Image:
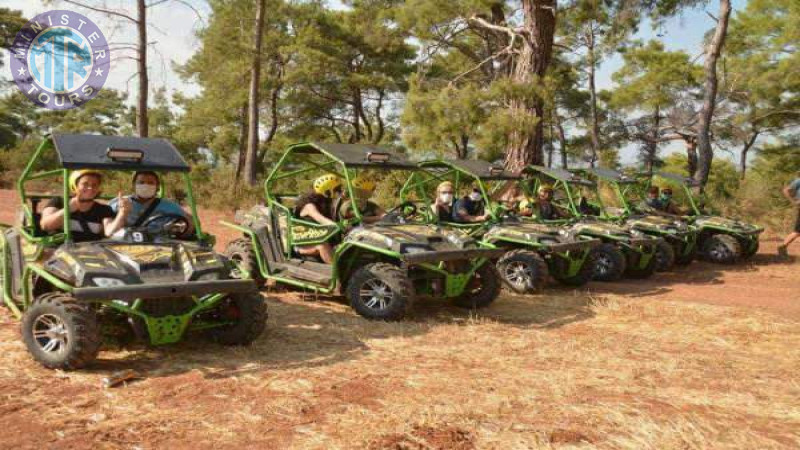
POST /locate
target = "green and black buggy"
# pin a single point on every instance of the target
(624, 251)
(532, 250)
(624, 206)
(157, 281)
(380, 267)
(719, 239)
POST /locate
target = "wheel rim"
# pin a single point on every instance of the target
(50, 334)
(603, 265)
(719, 251)
(375, 294)
(519, 274)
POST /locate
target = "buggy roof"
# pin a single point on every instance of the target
(610, 174)
(90, 151)
(560, 175)
(675, 177)
(356, 155)
(478, 168)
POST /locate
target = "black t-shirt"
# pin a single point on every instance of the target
(85, 225)
(548, 211)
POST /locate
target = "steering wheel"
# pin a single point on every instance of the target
(401, 213)
(175, 226)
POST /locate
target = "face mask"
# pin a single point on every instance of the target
(475, 196)
(146, 191)
(446, 198)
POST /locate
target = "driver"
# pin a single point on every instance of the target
(89, 220)
(470, 208)
(144, 203)
(667, 205)
(545, 208)
(370, 211)
(652, 202)
(443, 204)
(317, 206)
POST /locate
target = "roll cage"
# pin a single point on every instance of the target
(102, 153)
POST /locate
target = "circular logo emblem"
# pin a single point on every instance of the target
(60, 59)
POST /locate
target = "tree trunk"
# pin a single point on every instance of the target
(713, 51)
(562, 141)
(651, 146)
(691, 156)
(242, 142)
(595, 128)
(142, 122)
(743, 156)
(525, 145)
(253, 102)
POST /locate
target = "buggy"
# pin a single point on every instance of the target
(158, 281)
(380, 267)
(720, 239)
(624, 251)
(532, 249)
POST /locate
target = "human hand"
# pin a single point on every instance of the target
(124, 205)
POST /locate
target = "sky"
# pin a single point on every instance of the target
(173, 27)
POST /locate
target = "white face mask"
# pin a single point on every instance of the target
(446, 198)
(474, 196)
(145, 191)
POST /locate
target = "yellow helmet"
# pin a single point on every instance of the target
(364, 184)
(76, 175)
(326, 184)
(525, 204)
(544, 188)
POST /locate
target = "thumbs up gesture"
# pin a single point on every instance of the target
(124, 205)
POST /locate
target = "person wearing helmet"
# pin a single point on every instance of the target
(363, 188)
(652, 202)
(144, 202)
(545, 209)
(89, 220)
(470, 208)
(317, 206)
(667, 205)
(443, 203)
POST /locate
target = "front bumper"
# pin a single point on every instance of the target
(164, 290)
(451, 255)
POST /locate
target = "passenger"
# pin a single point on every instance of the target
(545, 209)
(89, 220)
(667, 205)
(370, 211)
(317, 206)
(144, 203)
(652, 202)
(512, 197)
(443, 204)
(470, 208)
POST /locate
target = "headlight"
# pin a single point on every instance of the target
(415, 249)
(562, 232)
(210, 276)
(107, 282)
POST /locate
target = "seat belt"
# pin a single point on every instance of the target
(143, 216)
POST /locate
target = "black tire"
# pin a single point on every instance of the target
(522, 271)
(665, 257)
(684, 260)
(241, 252)
(248, 310)
(747, 254)
(392, 292)
(68, 327)
(722, 249)
(608, 262)
(584, 275)
(482, 290)
(645, 272)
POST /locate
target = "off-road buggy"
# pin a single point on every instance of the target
(380, 267)
(532, 249)
(624, 206)
(158, 281)
(624, 251)
(719, 239)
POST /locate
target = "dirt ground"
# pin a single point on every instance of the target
(704, 357)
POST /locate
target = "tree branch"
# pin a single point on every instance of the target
(102, 10)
